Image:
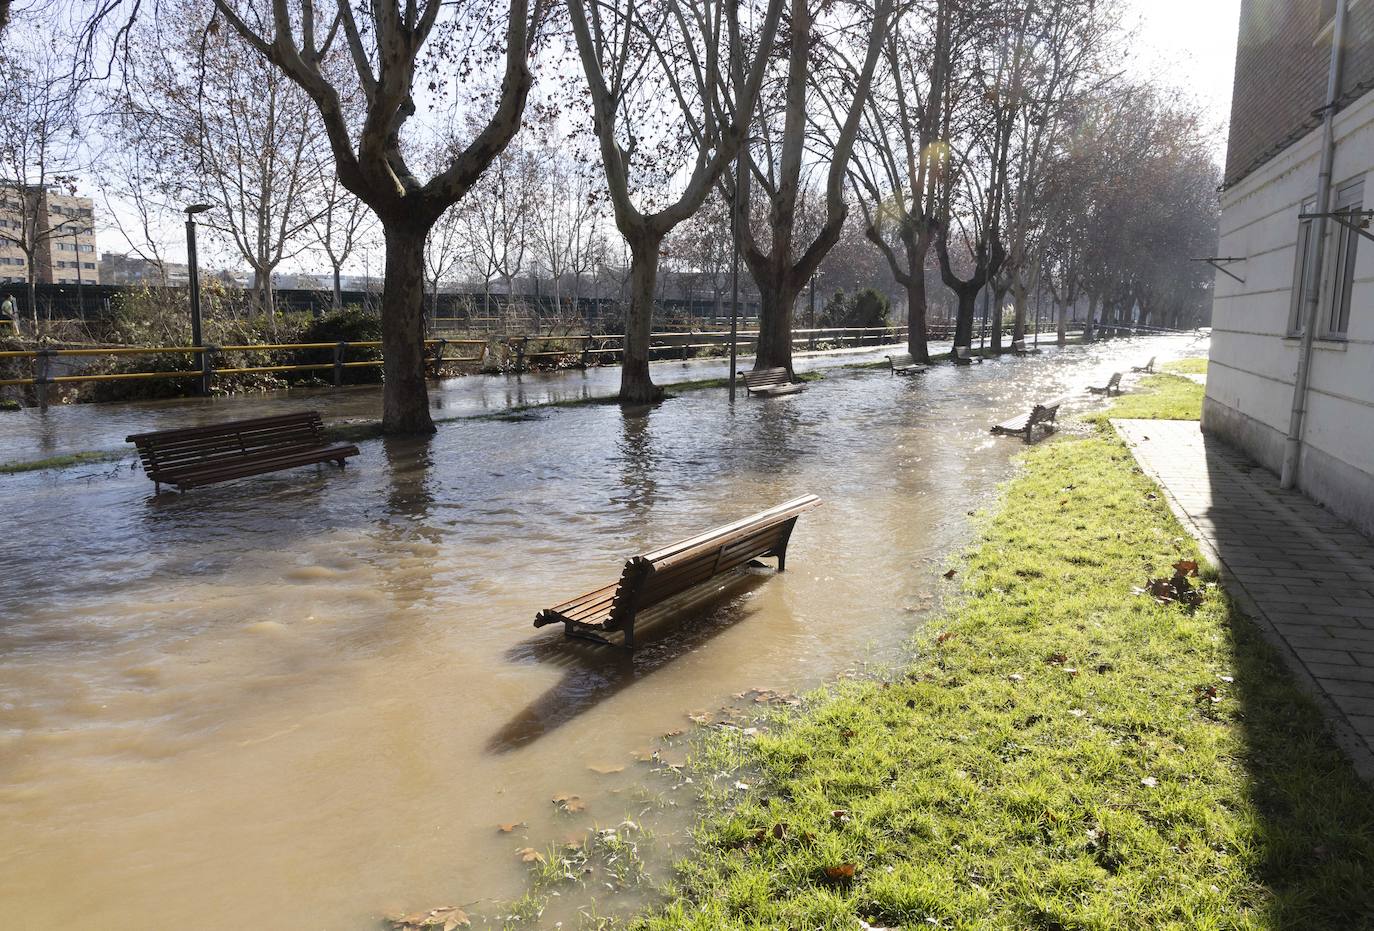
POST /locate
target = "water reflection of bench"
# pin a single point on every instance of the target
(1113, 386)
(769, 383)
(655, 577)
(236, 449)
(1044, 413)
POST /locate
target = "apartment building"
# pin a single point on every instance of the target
(1291, 379)
(63, 227)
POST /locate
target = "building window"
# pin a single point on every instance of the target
(1349, 198)
(1305, 280)
(90, 265)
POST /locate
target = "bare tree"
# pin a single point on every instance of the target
(688, 59)
(498, 220)
(40, 131)
(564, 224)
(386, 43)
(338, 222)
(444, 252)
(782, 263)
(226, 128)
(126, 175)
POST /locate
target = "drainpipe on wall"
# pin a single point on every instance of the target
(1312, 297)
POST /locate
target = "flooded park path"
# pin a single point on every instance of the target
(307, 699)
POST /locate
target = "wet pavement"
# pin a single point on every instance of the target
(308, 699)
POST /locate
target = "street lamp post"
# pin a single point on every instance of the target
(734, 267)
(193, 275)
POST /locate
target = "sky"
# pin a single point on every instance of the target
(1189, 45)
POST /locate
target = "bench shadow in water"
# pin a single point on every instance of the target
(595, 673)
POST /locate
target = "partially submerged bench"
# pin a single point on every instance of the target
(904, 364)
(964, 356)
(651, 579)
(1113, 386)
(236, 448)
(1042, 414)
(769, 383)
(1147, 368)
(1018, 347)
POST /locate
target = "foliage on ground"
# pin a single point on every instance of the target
(1158, 397)
(67, 460)
(1186, 366)
(1063, 753)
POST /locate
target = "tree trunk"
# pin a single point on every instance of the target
(338, 287)
(405, 397)
(916, 318)
(963, 320)
(636, 387)
(1061, 322)
(995, 337)
(33, 300)
(775, 326)
(1018, 320)
(1088, 324)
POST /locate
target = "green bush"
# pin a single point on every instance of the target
(351, 325)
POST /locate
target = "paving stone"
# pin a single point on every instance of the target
(1310, 574)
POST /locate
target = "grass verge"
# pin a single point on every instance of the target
(61, 462)
(1159, 397)
(1186, 366)
(1062, 753)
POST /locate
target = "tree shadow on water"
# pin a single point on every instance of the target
(595, 673)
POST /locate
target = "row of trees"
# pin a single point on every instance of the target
(989, 140)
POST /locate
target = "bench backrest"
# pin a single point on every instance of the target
(765, 378)
(1018, 345)
(962, 352)
(1043, 411)
(901, 360)
(166, 451)
(655, 577)
(1114, 381)
(1150, 366)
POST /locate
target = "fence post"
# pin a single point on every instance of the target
(586, 350)
(42, 376)
(339, 349)
(207, 366)
(519, 355)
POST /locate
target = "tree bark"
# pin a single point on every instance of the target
(405, 396)
(1061, 322)
(916, 308)
(636, 386)
(995, 337)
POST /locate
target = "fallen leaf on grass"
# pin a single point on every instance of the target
(840, 873)
(841, 815)
(529, 855)
(946, 635)
(569, 803)
(1057, 659)
(950, 574)
(447, 918)
(780, 831)
(1186, 567)
(1149, 782)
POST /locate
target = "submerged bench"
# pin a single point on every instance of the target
(964, 356)
(1113, 386)
(1043, 413)
(770, 383)
(649, 580)
(1018, 347)
(1147, 368)
(904, 364)
(236, 449)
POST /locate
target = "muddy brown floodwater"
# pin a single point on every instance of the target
(306, 700)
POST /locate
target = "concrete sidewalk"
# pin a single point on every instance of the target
(1305, 576)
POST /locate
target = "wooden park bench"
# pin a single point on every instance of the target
(1113, 386)
(964, 356)
(235, 449)
(1147, 368)
(904, 364)
(651, 579)
(769, 383)
(1043, 414)
(1018, 347)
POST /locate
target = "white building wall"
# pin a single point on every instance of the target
(1254, 361)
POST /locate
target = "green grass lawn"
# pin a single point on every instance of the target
(1159, 397)
(1061, 753)
(1186, 366)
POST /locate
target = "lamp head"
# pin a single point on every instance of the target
(193, 209)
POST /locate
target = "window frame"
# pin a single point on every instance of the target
(1304, 247)
(1345, 257)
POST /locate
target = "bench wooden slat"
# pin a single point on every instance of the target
(903, 364)
(651, 579)
(192, 456)
(769, 382)
(1043, 414)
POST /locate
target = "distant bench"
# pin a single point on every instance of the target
(964, 356)
(651, 579)
(770, 383)
(904, 364)
(1113, 386)
(1024, 426)
(1147, 368)
(236, 449)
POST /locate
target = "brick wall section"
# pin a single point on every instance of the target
(1282, 59)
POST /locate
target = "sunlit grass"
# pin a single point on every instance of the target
(1186, 366)
(1158, 397)
(1053, 757)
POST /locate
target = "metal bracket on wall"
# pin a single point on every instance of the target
(1219, 262)
(1357, 220)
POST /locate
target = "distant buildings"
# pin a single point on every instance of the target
(1283, 248)
(62, 226)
